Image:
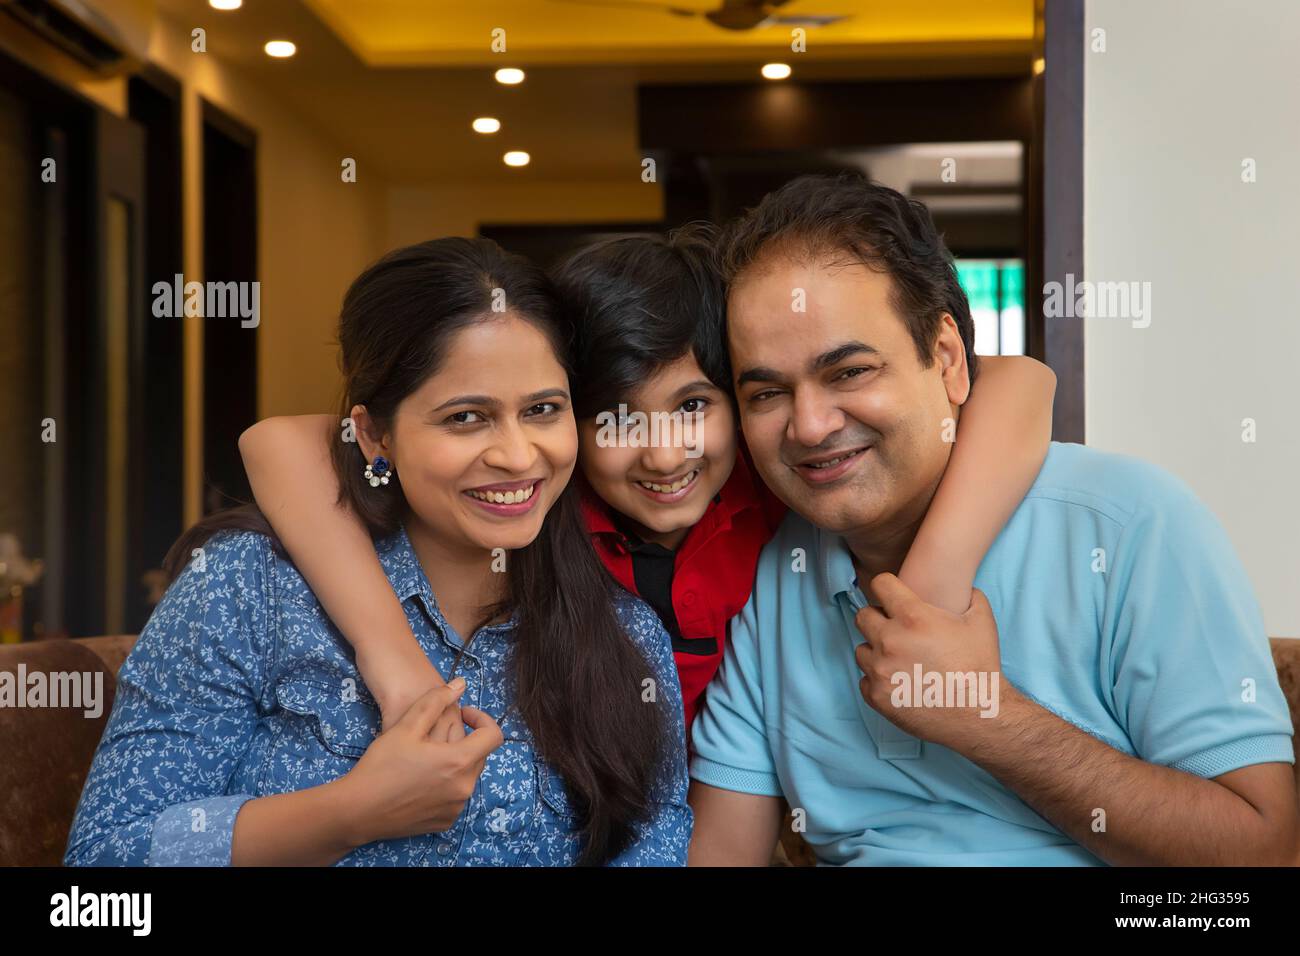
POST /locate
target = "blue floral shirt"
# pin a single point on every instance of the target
(241, 687)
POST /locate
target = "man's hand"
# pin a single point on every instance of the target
(930, 672)
(1155, 815)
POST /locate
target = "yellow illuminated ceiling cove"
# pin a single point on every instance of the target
(459, 32)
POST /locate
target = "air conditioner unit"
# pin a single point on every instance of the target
(108, 36)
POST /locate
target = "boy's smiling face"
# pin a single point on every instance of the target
(665, 490)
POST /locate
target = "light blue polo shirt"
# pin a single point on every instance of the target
(1121, 607)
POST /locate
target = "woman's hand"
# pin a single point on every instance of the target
(413, 779)
(398, 673)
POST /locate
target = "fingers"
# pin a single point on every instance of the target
(448, 720)
(424, 713)
(894, 596)
(485, 735)
(476, 718)
(871, 621)
(457, 729)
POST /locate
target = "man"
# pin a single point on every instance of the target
(1109, 696)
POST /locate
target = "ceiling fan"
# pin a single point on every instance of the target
(731, 15)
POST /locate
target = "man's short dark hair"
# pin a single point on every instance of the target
(851, 218)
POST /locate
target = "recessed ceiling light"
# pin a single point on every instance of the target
(516, 157)
(509, 75)
(280, 48)
(776, 71)
(225, 4)
(1039, 65)
(486, 124)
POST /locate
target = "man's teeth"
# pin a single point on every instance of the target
(669, 489)
(505, 497)
(833, 461)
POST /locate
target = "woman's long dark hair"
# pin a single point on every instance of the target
(577, 675)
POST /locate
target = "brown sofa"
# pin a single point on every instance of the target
(45, 753)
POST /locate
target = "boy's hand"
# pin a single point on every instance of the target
(398, 674)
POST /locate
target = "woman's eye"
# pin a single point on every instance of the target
(464, 418)
(542, 409)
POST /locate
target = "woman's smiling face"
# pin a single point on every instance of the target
(666, 488)
(484, 447)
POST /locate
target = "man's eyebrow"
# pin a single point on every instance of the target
(759, 374)
(823, 361)
(840, 353)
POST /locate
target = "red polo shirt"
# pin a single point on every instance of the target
(712, 570)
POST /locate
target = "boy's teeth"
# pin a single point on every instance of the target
(505, 497)
(669, 489)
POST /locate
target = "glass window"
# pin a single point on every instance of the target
(996, 290)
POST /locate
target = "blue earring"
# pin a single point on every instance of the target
(378, 471)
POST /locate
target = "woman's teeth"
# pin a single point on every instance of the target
(505, 497)
(670, 489)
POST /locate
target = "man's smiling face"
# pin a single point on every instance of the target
(841, 380)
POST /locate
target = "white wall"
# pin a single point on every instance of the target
(1184, 92)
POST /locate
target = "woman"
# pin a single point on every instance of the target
(681, 530)
(243, 731)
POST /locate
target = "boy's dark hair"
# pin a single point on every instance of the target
(637, 302)
(850, 217)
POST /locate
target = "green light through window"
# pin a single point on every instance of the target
(996, 290)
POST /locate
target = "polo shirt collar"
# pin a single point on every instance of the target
(836, 574)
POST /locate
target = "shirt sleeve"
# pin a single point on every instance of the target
(664, 838)
(183, 718)
(1193, 674)
(730, 734)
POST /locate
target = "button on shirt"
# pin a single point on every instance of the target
(1121, 608)
(240, 687)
